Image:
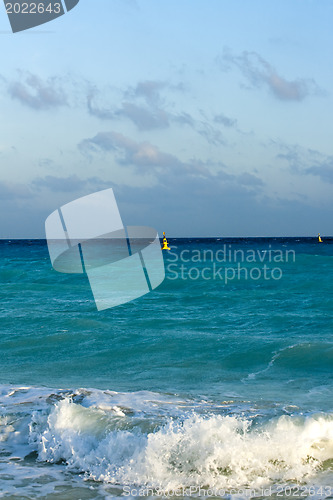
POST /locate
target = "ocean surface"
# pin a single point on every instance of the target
(218, 383)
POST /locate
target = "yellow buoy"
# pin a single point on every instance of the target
(165, 243)
(319, 238)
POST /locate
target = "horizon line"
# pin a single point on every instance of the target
(183, 237)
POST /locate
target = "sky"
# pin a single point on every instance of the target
(206, 117)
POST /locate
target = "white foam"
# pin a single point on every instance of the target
(158, 440)
(214, 450)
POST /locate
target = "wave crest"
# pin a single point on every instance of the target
(212, 450)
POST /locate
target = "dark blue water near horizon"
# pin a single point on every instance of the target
(234, 350)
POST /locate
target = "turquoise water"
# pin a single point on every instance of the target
(221, 377)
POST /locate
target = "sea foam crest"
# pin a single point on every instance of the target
(213, 450)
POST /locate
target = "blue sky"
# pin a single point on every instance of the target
(207, 117)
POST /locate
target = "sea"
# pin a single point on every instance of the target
(216, 384)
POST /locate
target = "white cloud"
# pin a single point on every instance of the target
(258, 72)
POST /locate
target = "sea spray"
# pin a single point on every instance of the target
(213, 450)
